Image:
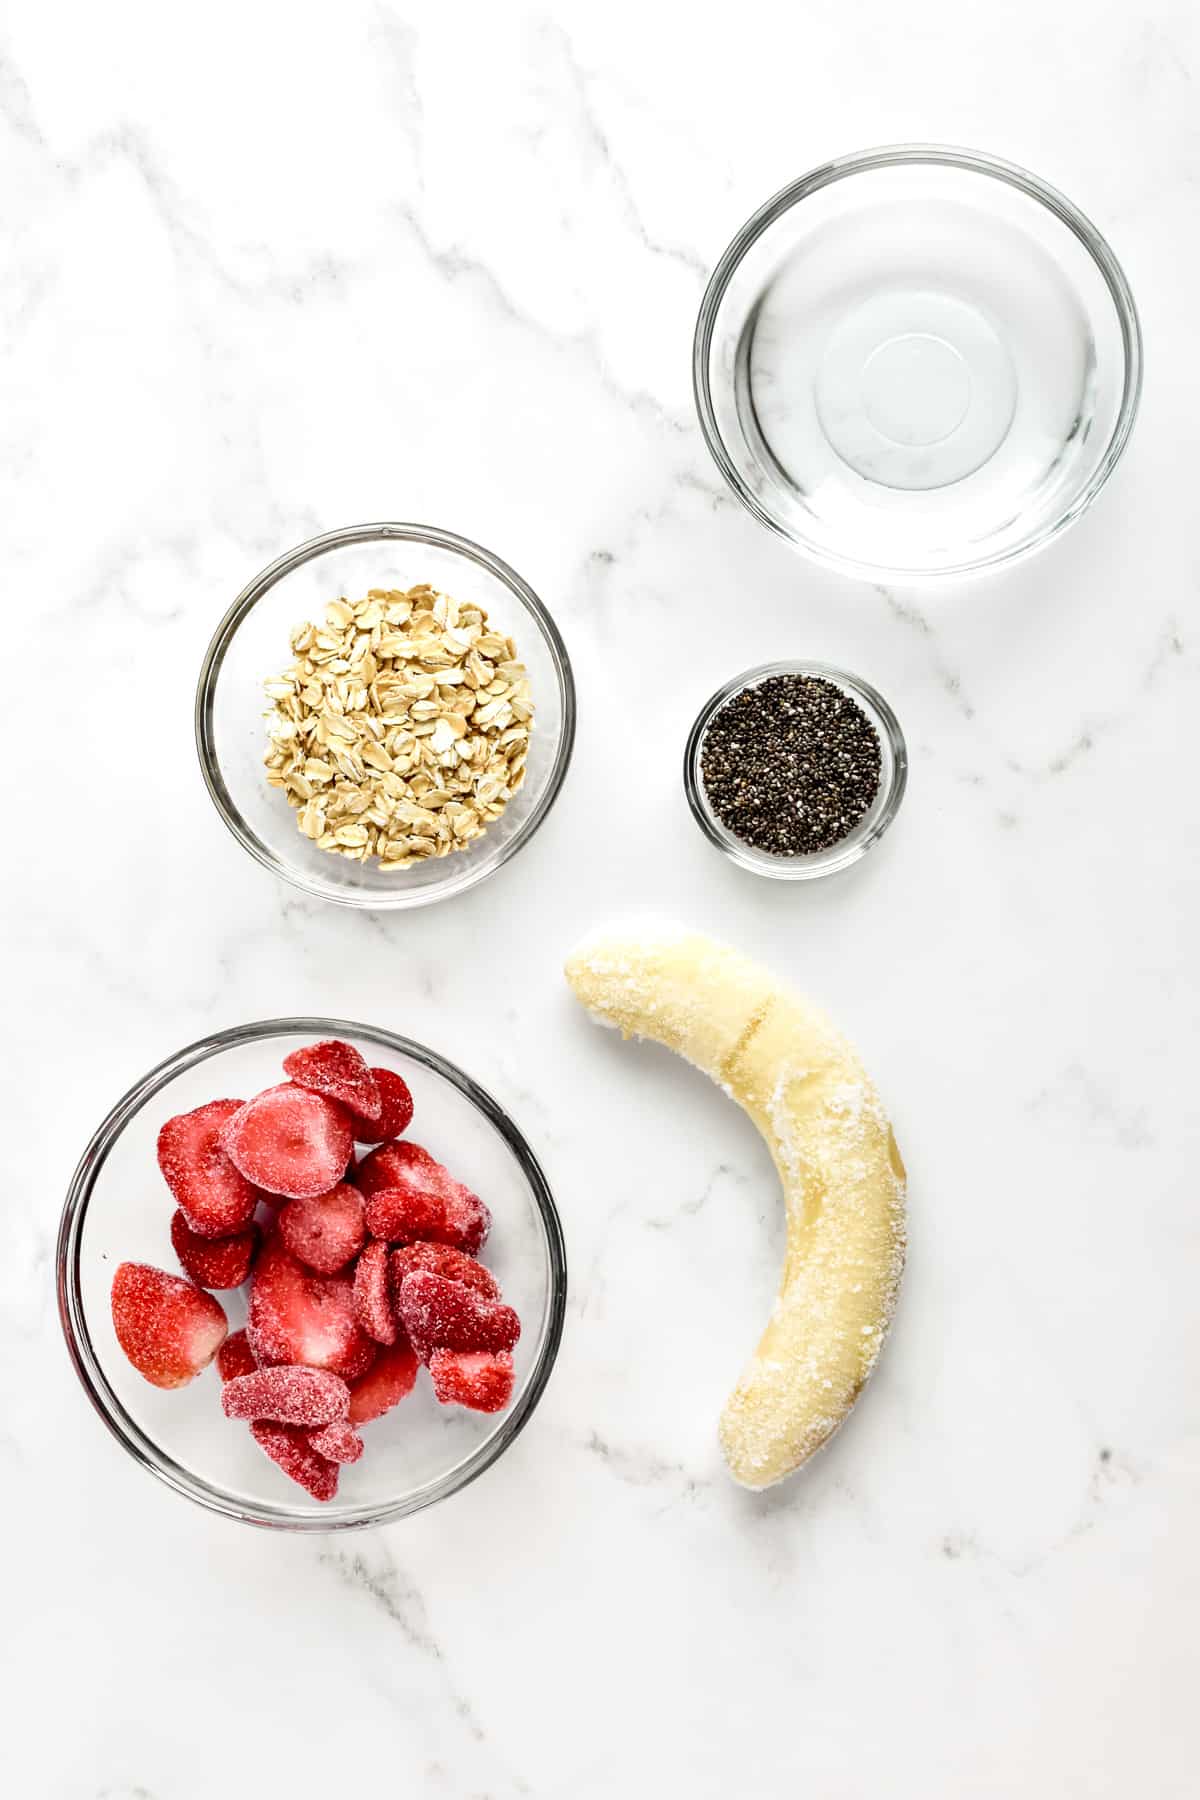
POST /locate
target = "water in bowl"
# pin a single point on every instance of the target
(917, 376)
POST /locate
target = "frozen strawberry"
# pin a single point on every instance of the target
(399, 1216)
(372, 1301)
(288, 1446)
(214, 1262)
(396, 1111)
(167, 1327)
(410, 1196)
(235, 1357)
(340, 1073)
(338, 1441)
(441, 1259)
(215, 1197)
(288, 1394)
(295, 1316)
(290, 1141)
(400, 1166)
(467, 1221)
(385, 1384)
(480, 1379)
(444, 1315)
(326, 1231)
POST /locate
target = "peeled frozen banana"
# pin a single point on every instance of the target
(843, 1180)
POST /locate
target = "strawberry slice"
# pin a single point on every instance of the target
(326, 1231)
(338, 1441)
(441, 1259)
(168, 1327)
(410, 1195)
(290, 1141)
(480, 1379)
(385, 1384)
(396, 1110)
(444, 1315)
(216, 1198)
(287, 1394)
(372, 1305)
(467, 1221)
(401, 1166)
(340, 1073)
(288, 1446)
(295, 1316)
(235, 1357)
(214, 1262)
(398, 1216)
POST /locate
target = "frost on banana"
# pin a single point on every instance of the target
(843, 1180)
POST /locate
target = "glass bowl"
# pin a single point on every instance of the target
(917, 361)
(118, 1208)
(252, 644)
(893, 778)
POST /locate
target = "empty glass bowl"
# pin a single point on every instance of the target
(119, 1209)
(252, 643)
(893, 778)
(917, 361)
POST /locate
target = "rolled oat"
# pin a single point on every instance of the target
(401, 729)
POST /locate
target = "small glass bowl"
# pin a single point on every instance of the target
(893, 778)
(118, 1209)
(252, 643)
(917, 361)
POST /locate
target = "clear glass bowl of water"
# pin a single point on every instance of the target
(917, 361)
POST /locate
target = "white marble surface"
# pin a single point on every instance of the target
(270, 270)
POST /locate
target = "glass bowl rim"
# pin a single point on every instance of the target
(895, 156)
(826, 862)
(73, 1319)
(222, 638)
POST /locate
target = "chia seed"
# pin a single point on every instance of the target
(791, 765)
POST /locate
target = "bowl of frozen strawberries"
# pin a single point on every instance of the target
(311, 1275)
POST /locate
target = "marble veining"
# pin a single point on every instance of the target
(266, 274)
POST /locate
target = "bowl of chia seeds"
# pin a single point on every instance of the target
(795, 769)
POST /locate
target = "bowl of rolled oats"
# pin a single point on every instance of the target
(385, 715)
